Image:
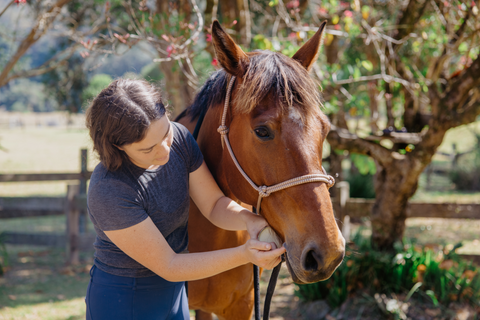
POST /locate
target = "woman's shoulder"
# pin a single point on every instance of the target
(180, 131)
(103, 178)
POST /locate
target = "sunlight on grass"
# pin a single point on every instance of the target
(42, 150)
(60, 310)
(449, 197)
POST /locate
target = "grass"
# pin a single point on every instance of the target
(39, 150)
(37, 285)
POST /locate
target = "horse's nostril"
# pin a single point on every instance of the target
(311, 261)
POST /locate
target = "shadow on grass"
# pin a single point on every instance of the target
(37, 275)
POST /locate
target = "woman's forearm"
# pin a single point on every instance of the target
(194, 266)
(229, 215)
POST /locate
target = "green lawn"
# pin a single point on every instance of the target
(40, 150)
(38, 286)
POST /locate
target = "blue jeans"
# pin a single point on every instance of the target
(111, 297)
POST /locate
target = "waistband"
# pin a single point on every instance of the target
(101, 277)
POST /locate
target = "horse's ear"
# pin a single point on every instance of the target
(308, 53)
(230, 55)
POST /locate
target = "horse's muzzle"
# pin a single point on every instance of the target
(313, 265)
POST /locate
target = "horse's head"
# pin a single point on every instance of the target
(277, 130)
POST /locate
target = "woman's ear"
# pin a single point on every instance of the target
(119, 148)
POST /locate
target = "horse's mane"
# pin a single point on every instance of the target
(288, 80)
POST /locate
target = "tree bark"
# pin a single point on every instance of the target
(178, 92)
(394, 185)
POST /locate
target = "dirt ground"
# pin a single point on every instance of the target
(287, 306)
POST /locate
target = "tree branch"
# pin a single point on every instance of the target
(458, 88)
(8, 5)
(41, 26)
(48, 66)
(340, 138)
(410, 17)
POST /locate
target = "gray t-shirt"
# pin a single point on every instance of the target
(123, 198)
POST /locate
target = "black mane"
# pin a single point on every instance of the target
(212, 92)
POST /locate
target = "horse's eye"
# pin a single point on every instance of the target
(262, 133)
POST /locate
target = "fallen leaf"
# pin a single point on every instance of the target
(433, 312)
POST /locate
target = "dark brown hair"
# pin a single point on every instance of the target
(121, 115)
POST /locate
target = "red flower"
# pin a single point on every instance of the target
(214, 62)
(293, 4)
(348, 13)
(20, 1)
(170, 50)
(322, 10)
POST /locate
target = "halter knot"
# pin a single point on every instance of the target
(331, 182)
(223, 130)
(263, 191)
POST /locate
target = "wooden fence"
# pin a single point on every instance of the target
(346, 208)
(444, 170)
(73, 205)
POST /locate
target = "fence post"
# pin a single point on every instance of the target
(83, 189)
(344, 196)
(454, 156)
(429, 171)
(72, 214)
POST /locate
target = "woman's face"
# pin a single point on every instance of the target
(154, 149)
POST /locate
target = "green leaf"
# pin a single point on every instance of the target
(356, 73)
(413, 290)
(463, 47)
(367, 65)
(431, 294)
(364, 163)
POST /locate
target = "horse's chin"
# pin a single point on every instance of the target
(300, 277)
(292, 273)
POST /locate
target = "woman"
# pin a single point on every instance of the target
(138, 201)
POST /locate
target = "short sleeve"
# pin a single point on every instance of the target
(113, 205)
(194, 155)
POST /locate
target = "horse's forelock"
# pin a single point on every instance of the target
(268, 72)
(285, 78)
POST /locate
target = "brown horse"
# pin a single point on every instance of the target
(277, 132)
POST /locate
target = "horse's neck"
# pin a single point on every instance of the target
(210, 144)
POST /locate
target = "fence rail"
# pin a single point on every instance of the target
(73, 206)
(360, 208)
(28, 177)
(75, 203)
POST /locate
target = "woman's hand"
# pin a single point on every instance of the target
(255, 223)
(263, 254)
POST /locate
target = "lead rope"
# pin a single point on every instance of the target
(263, 192)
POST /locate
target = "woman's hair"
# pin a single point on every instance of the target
(121, 115)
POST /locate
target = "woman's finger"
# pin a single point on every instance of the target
(260, 245)
(272, 254)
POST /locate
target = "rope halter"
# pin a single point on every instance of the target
(265, 191)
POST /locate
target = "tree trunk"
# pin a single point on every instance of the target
(178, 93)
(389, 211)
